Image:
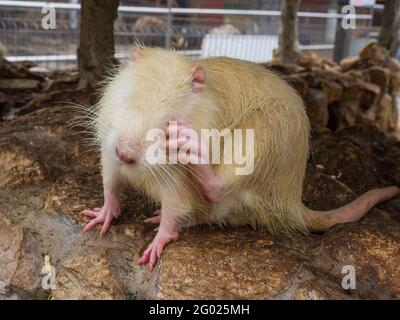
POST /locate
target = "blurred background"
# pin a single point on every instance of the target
(201, 28)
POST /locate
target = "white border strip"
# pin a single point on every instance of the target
(69, 57)
(317, 47)
(73, 57)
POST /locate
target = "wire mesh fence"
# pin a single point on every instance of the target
(235, 28)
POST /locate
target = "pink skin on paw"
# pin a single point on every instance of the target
(209, 182)
(167, 232)
(155, 219)
(104, 215)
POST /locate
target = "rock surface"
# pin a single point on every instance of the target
(48, 176)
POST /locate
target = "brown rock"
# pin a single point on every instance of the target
(17, 165)
(350, 63)
(19, 84)
(394, 65)
(308, 59)
(346, 113)
(375, 257)
(317, 108)
(332, 90)
(283, 68)
(351, 88)
(70, 196)
(315, 289)
(86, 277)
(326, 75)
(393, 116)
(20, 70)
(72, 99)
(395, 83)
(383, 112)
(298, 83)
(20, 260)
(369, 95)
(255, 269)
(375, 54)
(379, 76)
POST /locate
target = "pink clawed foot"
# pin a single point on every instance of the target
(167, 232)
(103, 215)
(155, 219)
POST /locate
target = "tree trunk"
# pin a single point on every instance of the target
(96, 48)
(389, 34)
(2, 51)
(288, 31)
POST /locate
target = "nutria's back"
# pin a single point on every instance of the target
(240, 86)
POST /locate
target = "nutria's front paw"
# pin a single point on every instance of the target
(192, 152)
(102, 216)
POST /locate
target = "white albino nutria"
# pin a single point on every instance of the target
(166, 90)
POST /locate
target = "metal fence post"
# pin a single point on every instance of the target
(343, 37)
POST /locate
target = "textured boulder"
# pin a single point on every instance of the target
(48, 176)
(317, 107)
(20, 261)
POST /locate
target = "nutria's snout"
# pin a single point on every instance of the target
(125, 157)
(127, 150)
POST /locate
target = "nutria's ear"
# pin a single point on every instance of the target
(198, 78)
(137, 54)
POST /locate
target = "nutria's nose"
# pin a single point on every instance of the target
(128, 159)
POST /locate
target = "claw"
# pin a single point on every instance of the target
(104, 215)
(89, 213)
(167, 232)
(155, 219)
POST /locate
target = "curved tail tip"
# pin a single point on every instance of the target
(395, 191)
(321, 221)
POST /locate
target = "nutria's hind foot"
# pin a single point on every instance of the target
(155, 219)
(167, 232)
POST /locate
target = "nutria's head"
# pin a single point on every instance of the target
(155, 87)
